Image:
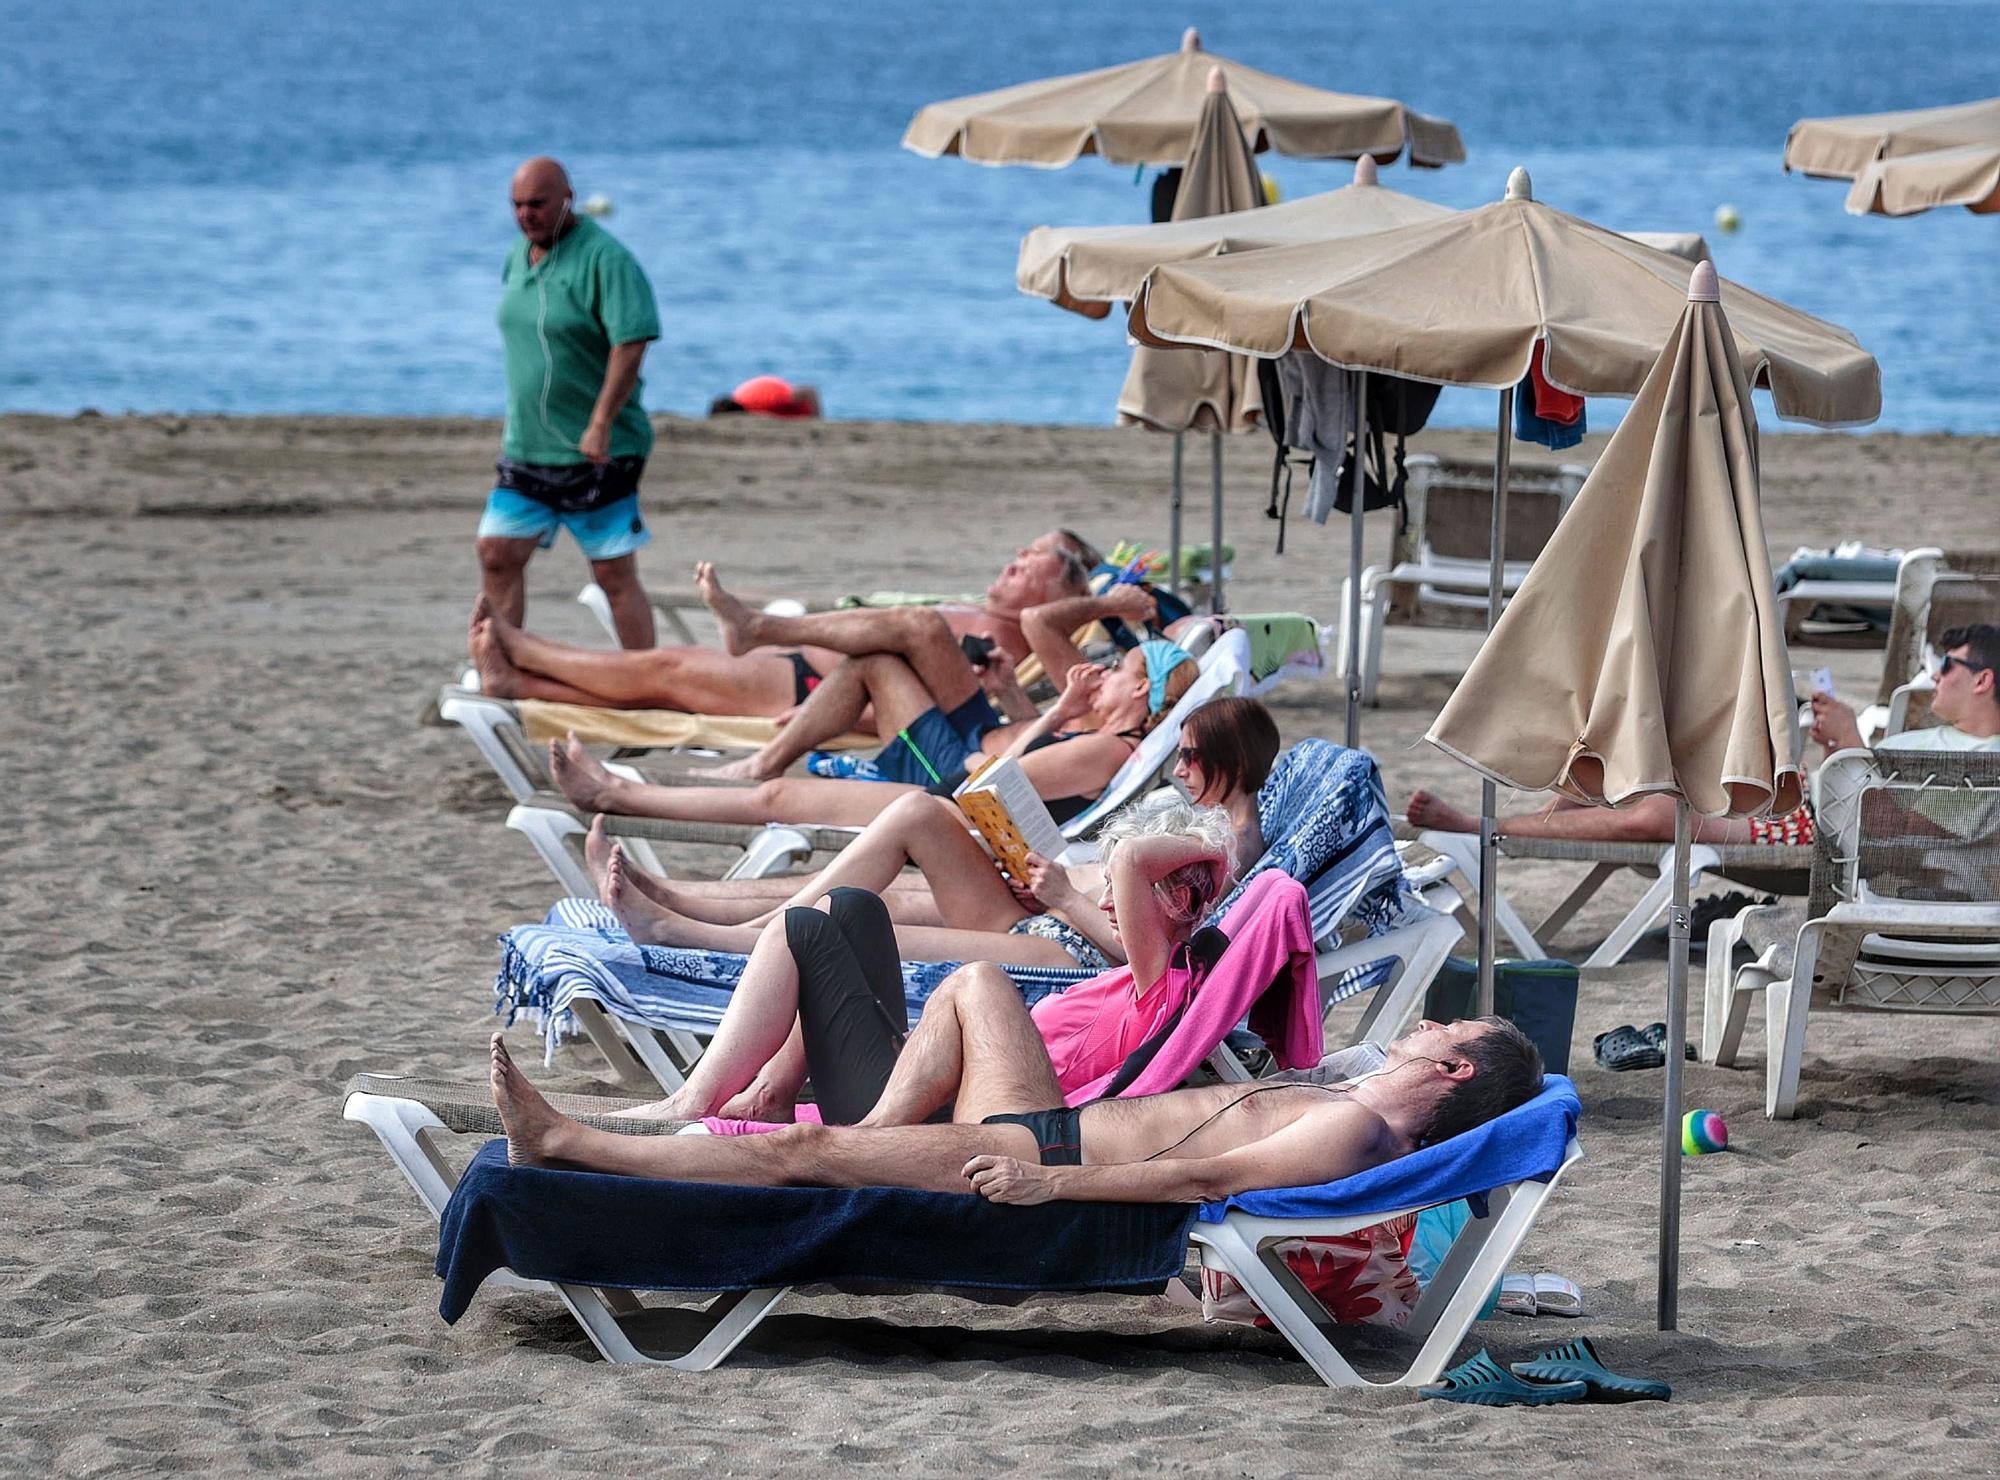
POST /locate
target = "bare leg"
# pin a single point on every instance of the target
(697, 679)
(503, 584)
(882, 681)
(976, 1049)
(928, 1157)
(763, 1012)
(1649, 820)
(803, 799)
(500, 678)
(631, 612)
(917, 634)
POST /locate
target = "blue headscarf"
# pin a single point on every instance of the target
(1162, 657)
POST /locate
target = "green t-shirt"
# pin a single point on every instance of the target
(585, 296)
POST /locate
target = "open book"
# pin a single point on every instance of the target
(1001, 802)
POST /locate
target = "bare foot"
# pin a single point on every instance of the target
(482, 609)
(1439, 815)
(762, 1102)
(645, 920)
(750, 768)
(737, 619)
(597, 851)
(534, 1127)
(497, 676)
(581, 777)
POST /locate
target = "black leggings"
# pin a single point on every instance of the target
(852, 1011)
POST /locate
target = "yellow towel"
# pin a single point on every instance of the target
(661, 728)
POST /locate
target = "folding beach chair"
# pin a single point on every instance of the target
(1437, 575)
(594, 1239)
(555, 829)
(1904, 912)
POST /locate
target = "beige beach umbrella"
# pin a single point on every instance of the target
(1203, 390)
(1142, 113)
(1464, 301)
(1644, 652)
(1906, 162)
(1968, 176)
(1086, 269)
(1175, 391)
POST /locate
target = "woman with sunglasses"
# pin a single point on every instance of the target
(961, 908)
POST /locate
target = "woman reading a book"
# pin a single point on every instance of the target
(822, 994)
(963, 907)
(1068, 754)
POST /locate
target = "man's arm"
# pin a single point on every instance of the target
(621, 373)
(1048, 627)
(1328, 1143)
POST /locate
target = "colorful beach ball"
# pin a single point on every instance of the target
(1702, 1131)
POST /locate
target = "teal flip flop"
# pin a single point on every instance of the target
(1576, 1361)
(1483, 1380)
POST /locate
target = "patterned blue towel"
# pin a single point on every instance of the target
(1323, 813)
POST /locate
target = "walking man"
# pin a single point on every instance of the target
(576, 314)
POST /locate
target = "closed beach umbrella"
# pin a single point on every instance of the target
(1142, 113)
(1644, 652)
(1174, 391)
(1906, 162)
(1464, 301)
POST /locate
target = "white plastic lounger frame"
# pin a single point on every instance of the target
(1606, 860)
(556, 833)
(1910, 956)
(1239, 1246)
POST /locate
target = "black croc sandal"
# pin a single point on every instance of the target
(1626, 1047)
(1656, 1034)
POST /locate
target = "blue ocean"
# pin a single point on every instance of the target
(251, 207)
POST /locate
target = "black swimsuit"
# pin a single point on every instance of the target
(1064, 808)
(1058, 1133)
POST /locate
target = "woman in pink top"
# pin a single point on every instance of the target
(822, 994)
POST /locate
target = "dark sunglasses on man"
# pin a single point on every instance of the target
(1945, 664)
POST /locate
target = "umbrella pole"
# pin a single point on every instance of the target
(1489, 793)
(1354, 570)
(1215, 523)
(1670, 1110)
(1174, 525)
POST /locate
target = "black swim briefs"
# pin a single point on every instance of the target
(572, 489)
(805, 677)
(1058, 1134)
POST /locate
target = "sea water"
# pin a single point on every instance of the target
(249, 207)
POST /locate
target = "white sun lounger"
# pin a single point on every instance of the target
(1903, 918)
(1240, 1244)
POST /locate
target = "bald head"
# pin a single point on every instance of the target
(541, 194)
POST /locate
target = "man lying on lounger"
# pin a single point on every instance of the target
(764, 680)
(1965, 706)
(1190, 1145)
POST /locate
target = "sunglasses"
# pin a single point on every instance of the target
(1188, 755)
(1949, 660)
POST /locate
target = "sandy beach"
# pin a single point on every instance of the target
(238, 871)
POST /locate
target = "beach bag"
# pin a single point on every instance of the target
(1359, 1279)
(1538, 997)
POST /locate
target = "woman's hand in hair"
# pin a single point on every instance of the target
(1080, 686)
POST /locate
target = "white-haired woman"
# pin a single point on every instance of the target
(822, 994)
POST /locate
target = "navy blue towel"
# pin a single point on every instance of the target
(635, 1234)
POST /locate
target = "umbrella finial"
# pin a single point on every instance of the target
(1519, 186)
(1190, 39)
(1365, 171)
(1702, 285)
(1217, 83)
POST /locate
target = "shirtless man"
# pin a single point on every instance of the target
(750, 679)
(1190, 1145)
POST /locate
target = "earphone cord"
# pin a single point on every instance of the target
(1328, 1089)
